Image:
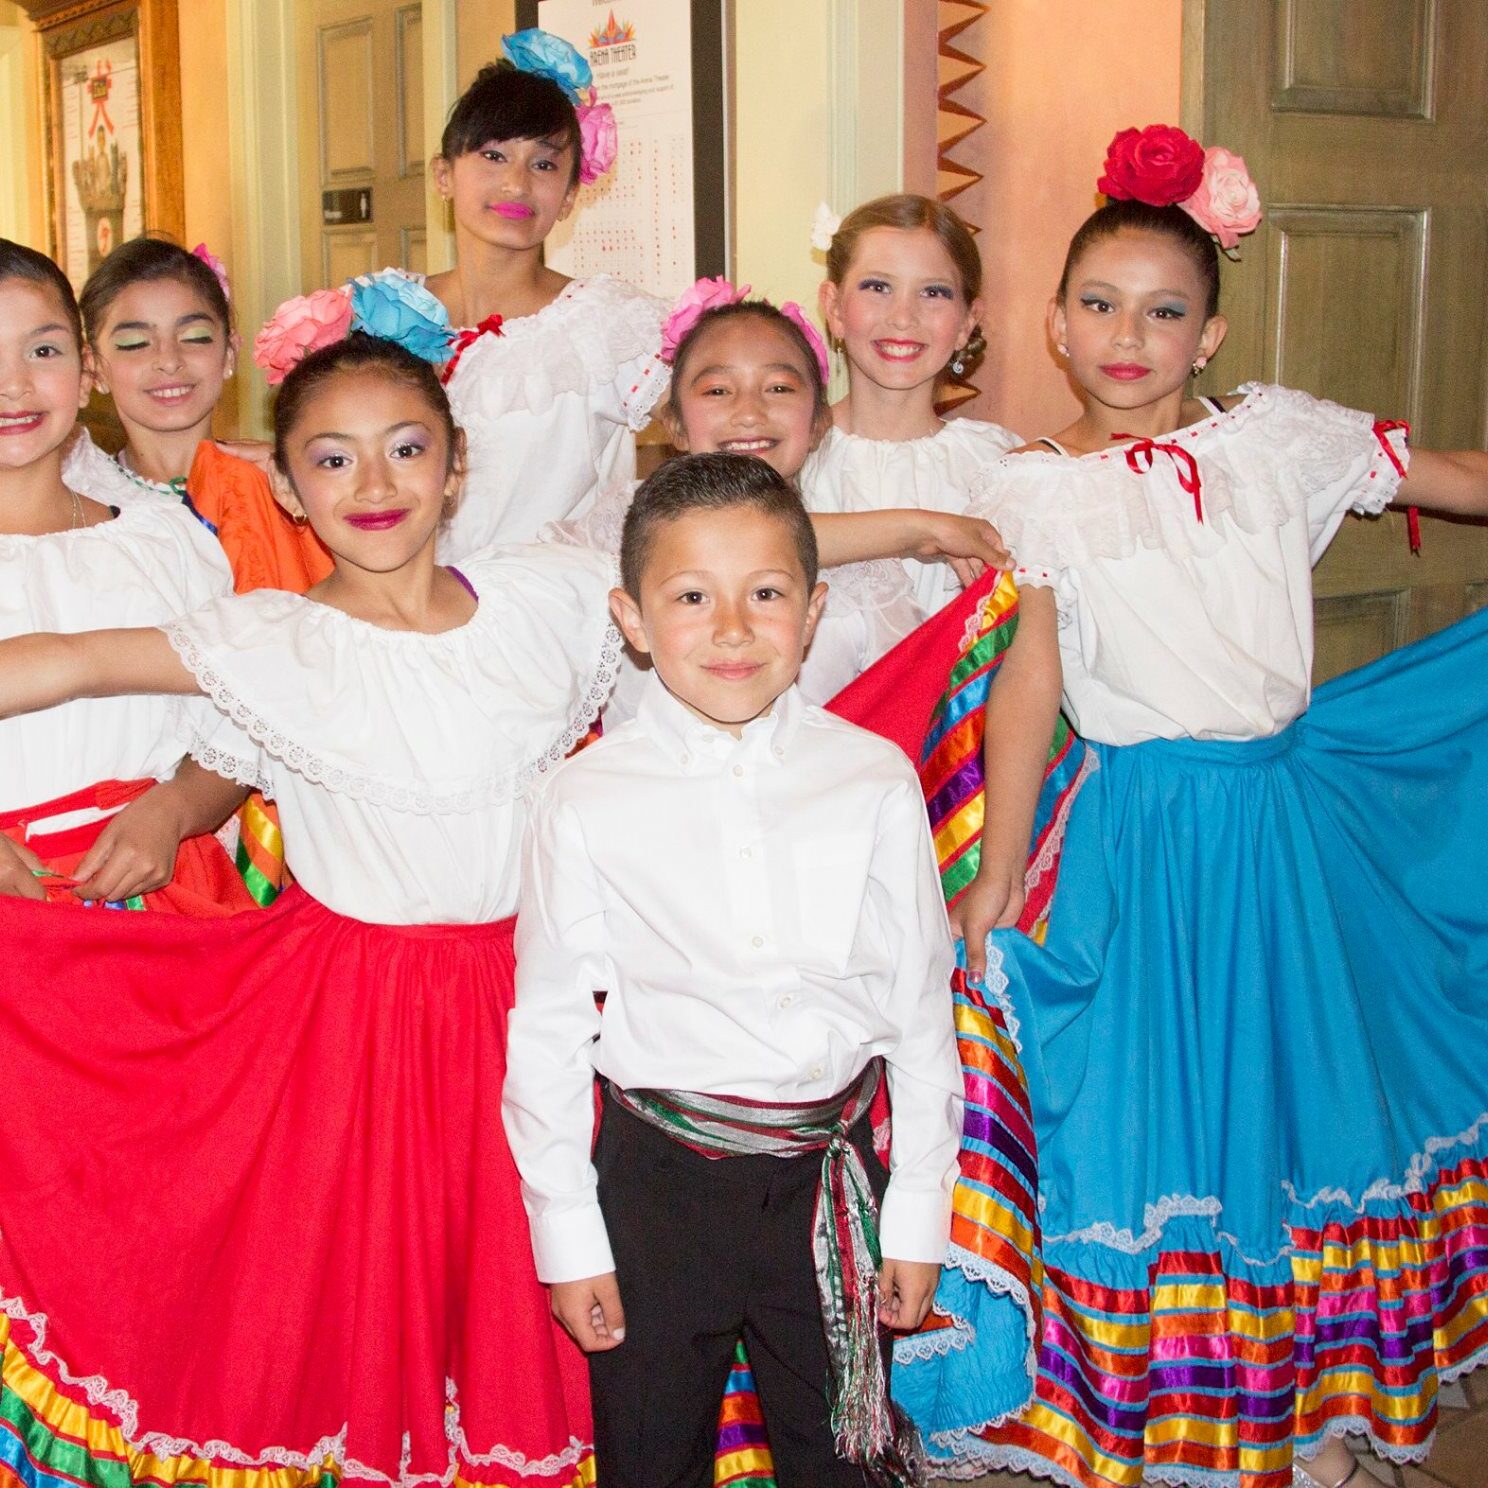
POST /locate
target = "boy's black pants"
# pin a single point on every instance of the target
(707, 1249)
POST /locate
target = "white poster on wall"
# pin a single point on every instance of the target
(636, 223)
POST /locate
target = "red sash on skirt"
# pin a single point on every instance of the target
(259, 1226)
(205, 883)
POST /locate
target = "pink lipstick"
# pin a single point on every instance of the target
(1126, 371)
(377, 521)
(514, 211)
(21, 423)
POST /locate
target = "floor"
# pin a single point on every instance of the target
(1458, 1460)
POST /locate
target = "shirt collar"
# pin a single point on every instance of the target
(689, 742)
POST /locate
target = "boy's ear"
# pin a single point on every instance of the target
(814, 607)
(627, 615)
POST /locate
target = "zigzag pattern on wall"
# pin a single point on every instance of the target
(955, 121)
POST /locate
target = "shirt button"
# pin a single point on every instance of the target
(738, 769)
(787, 999)
(746, 852)
(757, 941)
(817, 1072)
(779, 752)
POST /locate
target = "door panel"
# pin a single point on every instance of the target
(362, 105)
(1363, 126)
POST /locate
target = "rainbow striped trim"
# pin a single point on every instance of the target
(259, 858)
(742, 1458)
(55, 1435)
(1216, 1369)
(953, 774)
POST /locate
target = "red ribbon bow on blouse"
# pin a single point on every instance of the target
(491, 325)
(1383, 427)
(1142, 456)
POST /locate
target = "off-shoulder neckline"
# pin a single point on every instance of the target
(1252, 393)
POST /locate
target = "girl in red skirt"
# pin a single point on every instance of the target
(97, 803)
(258, 1223)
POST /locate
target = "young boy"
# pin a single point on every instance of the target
(751, 882)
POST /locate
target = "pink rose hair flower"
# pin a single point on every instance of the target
(1159, 165)
(599, 141)
(1226, 202)
(692, 304)
(298, 327)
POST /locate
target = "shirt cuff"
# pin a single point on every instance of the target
(915, 1224)
(571, 1245)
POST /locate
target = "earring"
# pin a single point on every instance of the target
(1062, 349)
(299, 518)
(1199, 364)
(958, 364)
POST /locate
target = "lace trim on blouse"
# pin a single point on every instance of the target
(1098, 509)
(421, 798)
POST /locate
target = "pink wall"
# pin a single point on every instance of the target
(1062, 76)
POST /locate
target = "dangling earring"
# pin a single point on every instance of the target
(1199, 364)
(958, 364)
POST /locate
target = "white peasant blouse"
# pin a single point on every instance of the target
(152, 562)
(550, 408)
(1170, 625)
(848, 473)
(400, 761)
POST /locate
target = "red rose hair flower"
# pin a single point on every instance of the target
(1159, 165)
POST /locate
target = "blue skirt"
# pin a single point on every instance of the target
(1256, 1046)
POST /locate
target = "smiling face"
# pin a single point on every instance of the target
(510, 193)
(1133, 318)
(724, 612)
(745, 388)
(42, 381)
(370, 465)
(163, 354)
(900, 311)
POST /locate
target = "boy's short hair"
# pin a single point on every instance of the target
(713, 483)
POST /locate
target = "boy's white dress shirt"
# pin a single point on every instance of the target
(765, 915)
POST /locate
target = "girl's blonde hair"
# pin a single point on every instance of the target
(905, 210)
(910, 212)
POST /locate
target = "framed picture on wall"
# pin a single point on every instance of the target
(112, 100)
(660, 219)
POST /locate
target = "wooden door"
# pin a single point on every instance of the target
(1363, 122)
(362, 128)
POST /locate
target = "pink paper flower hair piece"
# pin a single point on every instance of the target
(712, 294)
(692, 304)
(216, 265)
(298, 327)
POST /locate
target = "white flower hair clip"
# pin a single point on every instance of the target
(824, 227)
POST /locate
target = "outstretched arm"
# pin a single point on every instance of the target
(1022, 708)
(969, 544)
(40, 671)
(1453, 482)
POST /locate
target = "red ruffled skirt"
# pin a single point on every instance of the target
(259, 1226)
